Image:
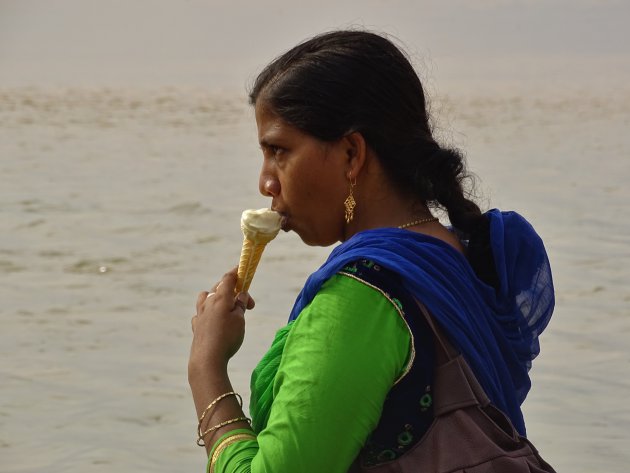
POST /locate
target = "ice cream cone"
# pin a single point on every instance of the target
(250, 257)
(259, 228)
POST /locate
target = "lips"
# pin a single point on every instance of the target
(284, 218)
(284, 223)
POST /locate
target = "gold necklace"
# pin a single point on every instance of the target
(418, 222)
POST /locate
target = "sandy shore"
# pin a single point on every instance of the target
(120, 205)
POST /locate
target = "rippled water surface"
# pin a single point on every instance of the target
(118, 205)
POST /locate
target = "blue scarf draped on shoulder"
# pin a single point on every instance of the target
(495, 329)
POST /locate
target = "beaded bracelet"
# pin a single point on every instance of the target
(200, 440)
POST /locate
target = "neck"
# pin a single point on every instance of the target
(383, 209)
(379, 204)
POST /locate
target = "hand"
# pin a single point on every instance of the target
(219, 325)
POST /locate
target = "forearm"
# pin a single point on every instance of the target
(207, 384)
(218, 331)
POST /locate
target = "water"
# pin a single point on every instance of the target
(118, 205)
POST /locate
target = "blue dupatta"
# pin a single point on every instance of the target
(496, 330)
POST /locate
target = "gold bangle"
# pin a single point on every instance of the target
(213, 403)
(225, 443)
(200, 440)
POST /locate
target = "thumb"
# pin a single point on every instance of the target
(241, 301)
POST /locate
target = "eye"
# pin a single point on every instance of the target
(276, 150)
(272, 151)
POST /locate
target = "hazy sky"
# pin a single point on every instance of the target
(224, 43)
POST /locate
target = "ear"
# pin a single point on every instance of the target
(356, 153)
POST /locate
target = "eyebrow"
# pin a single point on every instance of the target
(270, 139)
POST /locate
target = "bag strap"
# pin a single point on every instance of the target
(455, 385)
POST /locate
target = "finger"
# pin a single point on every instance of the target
(241, 301)
(218, 283)
(227, 284)
(248, 300)
(193, 322)
(201, 298)
(239, 304)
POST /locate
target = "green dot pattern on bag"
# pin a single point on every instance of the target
(426, 401)
(386, 455)
(405, 438)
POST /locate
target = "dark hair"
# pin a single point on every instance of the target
(346, 81)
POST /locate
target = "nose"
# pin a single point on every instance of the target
(268, 184)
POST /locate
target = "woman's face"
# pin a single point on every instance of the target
(305, 177)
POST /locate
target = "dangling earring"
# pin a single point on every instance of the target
(350, 203)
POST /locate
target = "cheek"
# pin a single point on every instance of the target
(316, 194)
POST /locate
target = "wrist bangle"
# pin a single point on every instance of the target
(225, 443)
(213, 403)
(200, 440)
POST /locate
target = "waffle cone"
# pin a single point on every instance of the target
(250, 256)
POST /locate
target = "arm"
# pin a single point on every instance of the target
(218, 331)
(340, 360)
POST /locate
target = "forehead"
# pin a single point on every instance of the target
(266, 120)
(271, 127)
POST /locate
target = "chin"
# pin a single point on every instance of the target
(312, 240)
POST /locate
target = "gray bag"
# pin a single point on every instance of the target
(468, 435)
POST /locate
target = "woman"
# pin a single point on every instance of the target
(349, 157)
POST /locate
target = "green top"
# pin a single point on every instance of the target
(331, 369)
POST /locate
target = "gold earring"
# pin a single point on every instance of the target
(350, 203)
